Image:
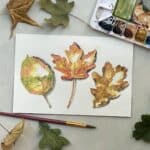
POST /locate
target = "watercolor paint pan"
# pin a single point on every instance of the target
(124, 9)
(130, 31)
(147, 41)
(107, 24)
(141, 35)
(134, 27)
(119, 27)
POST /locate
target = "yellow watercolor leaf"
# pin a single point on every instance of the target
(108, 85)
(12, 136)
(36, 75)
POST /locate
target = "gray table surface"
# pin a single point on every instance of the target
(112, 133)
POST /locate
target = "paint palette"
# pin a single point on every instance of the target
(126, 19)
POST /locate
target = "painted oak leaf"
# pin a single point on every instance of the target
(37, 76)
(76, 65)
(12, 136)
(108, 85)
(59, 11)
(17, 10)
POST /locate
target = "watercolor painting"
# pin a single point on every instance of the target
(109, 85)
(37, 76)
(75, 66)
(64, 73)
(128, 20)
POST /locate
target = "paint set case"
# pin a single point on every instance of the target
(125, 19)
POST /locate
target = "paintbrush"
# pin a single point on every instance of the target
(53, 121)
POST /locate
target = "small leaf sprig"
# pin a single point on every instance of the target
(37, 76)
(142, 129)
(75, 66)
(51, 138)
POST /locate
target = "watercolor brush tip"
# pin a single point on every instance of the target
(90, 126)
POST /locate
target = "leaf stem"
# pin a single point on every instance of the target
(46, 99)
(81, 20)
(4, 127)
(74, 84)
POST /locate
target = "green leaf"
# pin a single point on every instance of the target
(59, 11)
(142, 129)
(51, 138)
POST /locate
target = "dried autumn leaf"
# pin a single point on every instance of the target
(109, 85)
(59, 11)
(18, 12)
(37, 76)
(12, 136)
(75, 66)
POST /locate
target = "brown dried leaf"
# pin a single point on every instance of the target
(109, 85)
(12, 136)
(18, 12)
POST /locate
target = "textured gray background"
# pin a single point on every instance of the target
(111, 133)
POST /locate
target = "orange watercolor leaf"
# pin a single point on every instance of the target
(76, 65)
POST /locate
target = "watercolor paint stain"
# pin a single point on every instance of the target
(141, 14)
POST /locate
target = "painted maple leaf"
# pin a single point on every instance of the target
(75, 66)
(109, 85)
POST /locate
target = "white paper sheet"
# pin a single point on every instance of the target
(108, 49)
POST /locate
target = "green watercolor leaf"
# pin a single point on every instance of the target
(51, 138)
(59, 11)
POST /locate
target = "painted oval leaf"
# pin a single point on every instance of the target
(37, 76)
